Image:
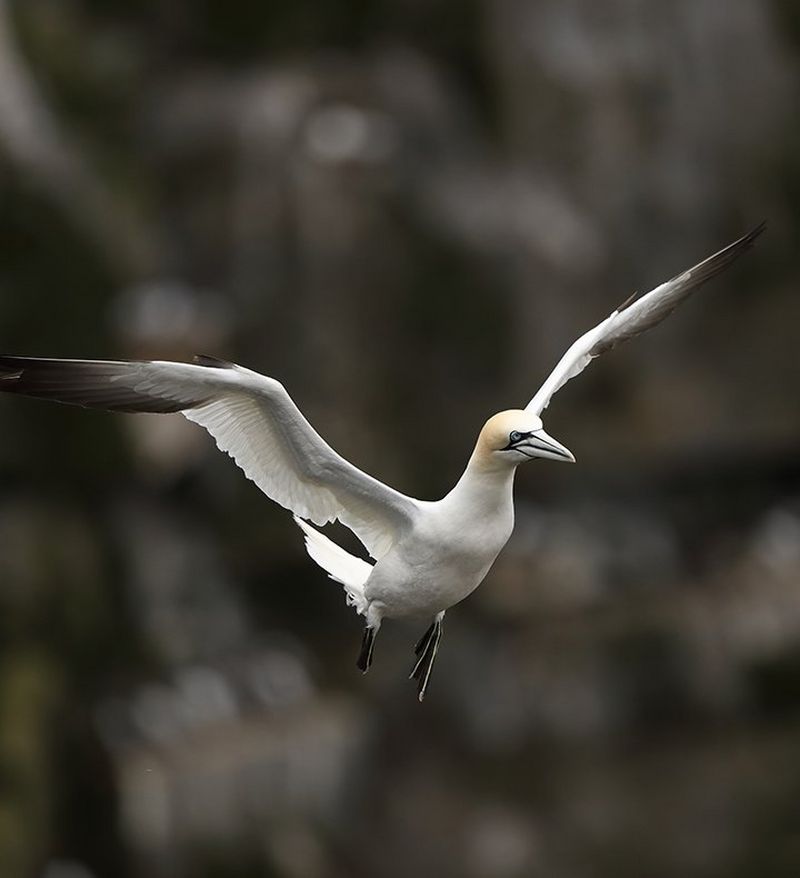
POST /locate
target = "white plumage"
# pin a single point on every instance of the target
(341, 566)
(428, 555)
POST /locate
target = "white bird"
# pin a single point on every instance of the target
(427, 556)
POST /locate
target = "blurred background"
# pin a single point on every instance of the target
(405, 210)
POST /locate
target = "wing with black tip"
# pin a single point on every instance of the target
(637, 316)
(250, 416)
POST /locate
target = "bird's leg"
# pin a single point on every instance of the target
(371, 628)
(367, 646)
(426, 650)
(423, 642)
(422, 649)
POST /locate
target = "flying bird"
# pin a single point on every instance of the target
(425, 555)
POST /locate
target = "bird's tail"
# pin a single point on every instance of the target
(341, 566)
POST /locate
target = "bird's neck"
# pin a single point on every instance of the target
(485, 484)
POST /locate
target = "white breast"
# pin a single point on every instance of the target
(447, 554)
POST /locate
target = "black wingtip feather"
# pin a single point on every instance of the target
(714, 264)
(91, 384)
(747, 241)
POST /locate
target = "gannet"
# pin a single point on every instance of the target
(426, 556)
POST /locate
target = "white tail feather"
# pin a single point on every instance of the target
(341, 566)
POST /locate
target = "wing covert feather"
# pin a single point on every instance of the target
(276, 447)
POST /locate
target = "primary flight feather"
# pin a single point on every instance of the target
(427, 555)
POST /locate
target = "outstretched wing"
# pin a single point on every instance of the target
(637, 316)
(250, 416)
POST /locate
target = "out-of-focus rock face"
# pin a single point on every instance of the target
(656, 124)
(405, 212)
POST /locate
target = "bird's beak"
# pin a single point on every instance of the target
(545, 446)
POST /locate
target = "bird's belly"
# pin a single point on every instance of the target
(421, 579)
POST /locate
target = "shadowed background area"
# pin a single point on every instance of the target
(405, 211)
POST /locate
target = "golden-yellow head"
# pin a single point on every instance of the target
(514, 436)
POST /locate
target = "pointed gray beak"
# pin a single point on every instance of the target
(543, 445)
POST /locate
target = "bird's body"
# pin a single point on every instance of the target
(449, 550)
(428, 555)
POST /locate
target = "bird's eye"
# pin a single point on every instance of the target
(514, 436)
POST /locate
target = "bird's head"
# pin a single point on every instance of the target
(514, 436)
